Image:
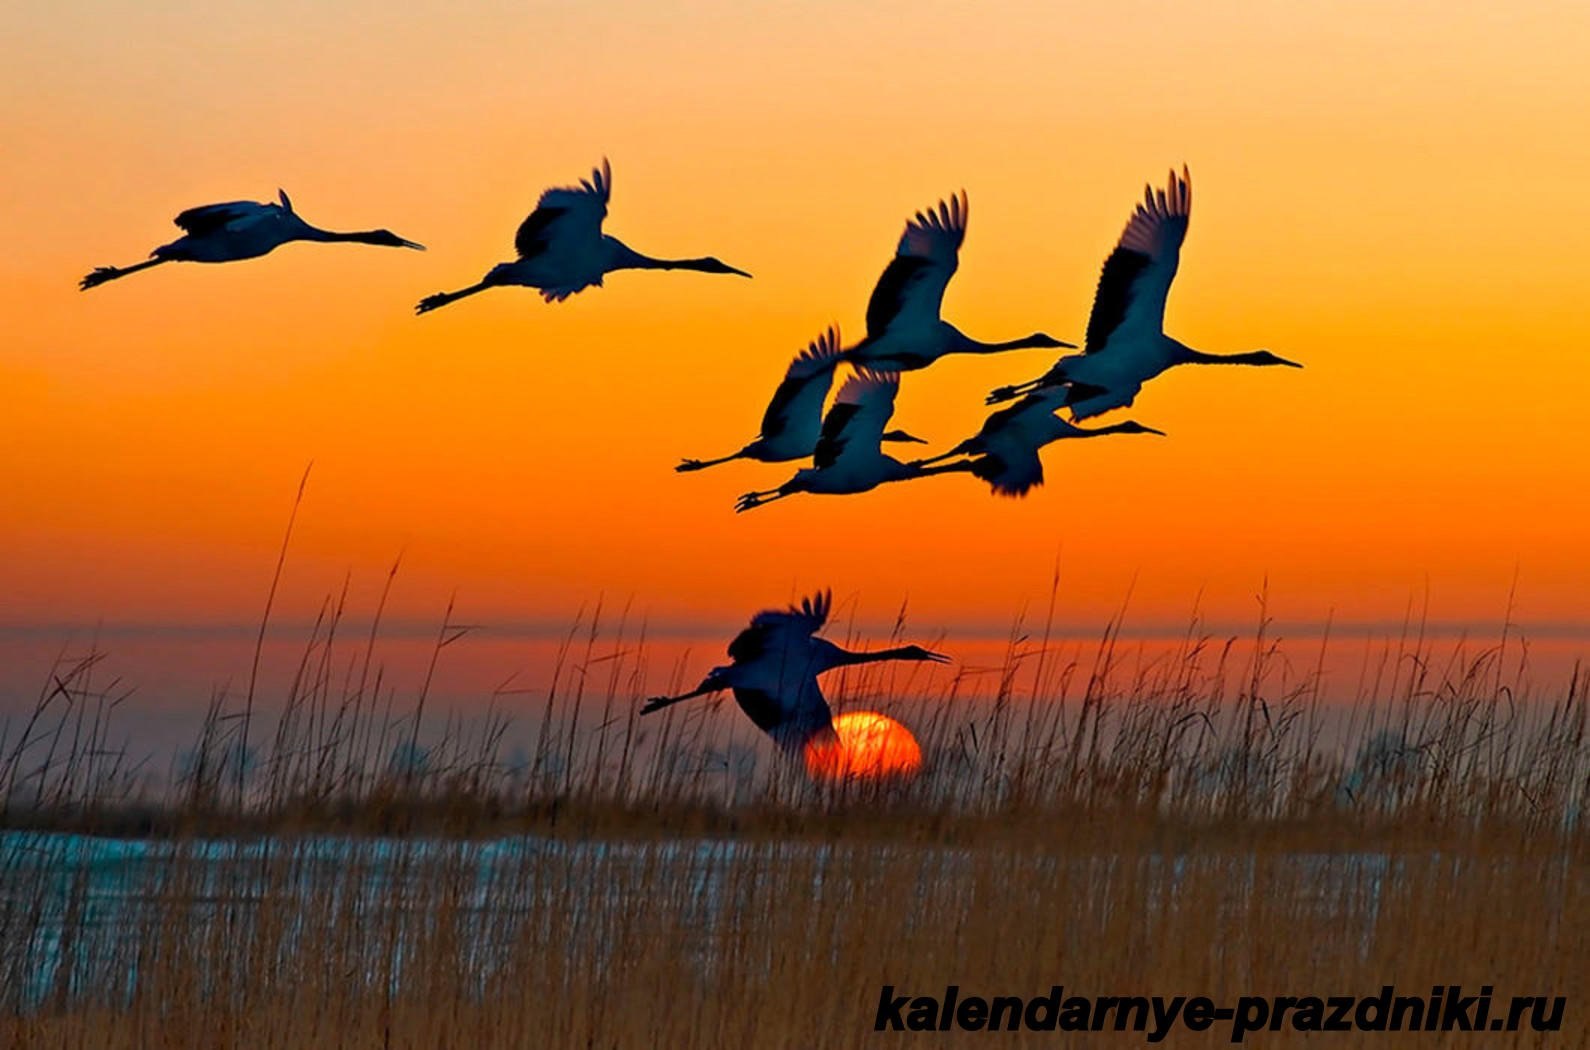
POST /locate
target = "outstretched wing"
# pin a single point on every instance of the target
(855, 423)
(1044, 401)
(776, 631)
(798, 401)
(798, 621)
(567, 214)
(786, 702)
(911, 289)
(1012, 472)
(1137, 275)
(208, 218)
(1010, 440)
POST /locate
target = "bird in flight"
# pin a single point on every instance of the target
(562, 249)
(904, 330)
(214, 233)
(849, 457)
(1126, 341)
(794, 417)
(773, 668)
(1004, 452)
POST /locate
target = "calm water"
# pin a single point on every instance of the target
(81, 910)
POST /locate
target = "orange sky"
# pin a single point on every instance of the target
(1393, 194)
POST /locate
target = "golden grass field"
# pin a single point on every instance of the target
(1206, 822)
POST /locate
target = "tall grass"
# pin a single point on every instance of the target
(1198, 729)
(360, 868)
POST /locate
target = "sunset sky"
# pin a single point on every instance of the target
(1395, 195)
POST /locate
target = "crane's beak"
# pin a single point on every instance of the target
(1151, 430)
(731, 269)
(416, 245)
(938, 658)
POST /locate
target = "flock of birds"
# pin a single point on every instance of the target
(1126, 346)
(561, 250)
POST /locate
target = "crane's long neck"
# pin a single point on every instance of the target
(965, 344)
(622, 257)
(846, 658)
(1186, 355)
(312, 233)
(1069, 431)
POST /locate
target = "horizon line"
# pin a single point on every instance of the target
(612, 627)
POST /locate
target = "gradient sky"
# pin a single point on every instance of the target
(1393, 194)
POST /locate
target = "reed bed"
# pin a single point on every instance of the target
(347, 865)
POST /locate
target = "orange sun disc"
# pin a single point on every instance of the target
(866, 745)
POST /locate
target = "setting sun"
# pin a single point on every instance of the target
(866, 745)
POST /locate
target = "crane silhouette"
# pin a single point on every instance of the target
(849, 457)
(773, 669)
(1004, 452)
(794, 417)
(1126, 341)
(562, 249)
(214, 233)
(904, 330)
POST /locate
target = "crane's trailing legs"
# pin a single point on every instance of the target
(703, 464)
(441, 299)
(657, 703)
(921, 469)
(922, 465)
(1052, 378)
(756, 499)
(1015, 390)
(102, 274)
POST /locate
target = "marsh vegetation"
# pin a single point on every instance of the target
(339, 866)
